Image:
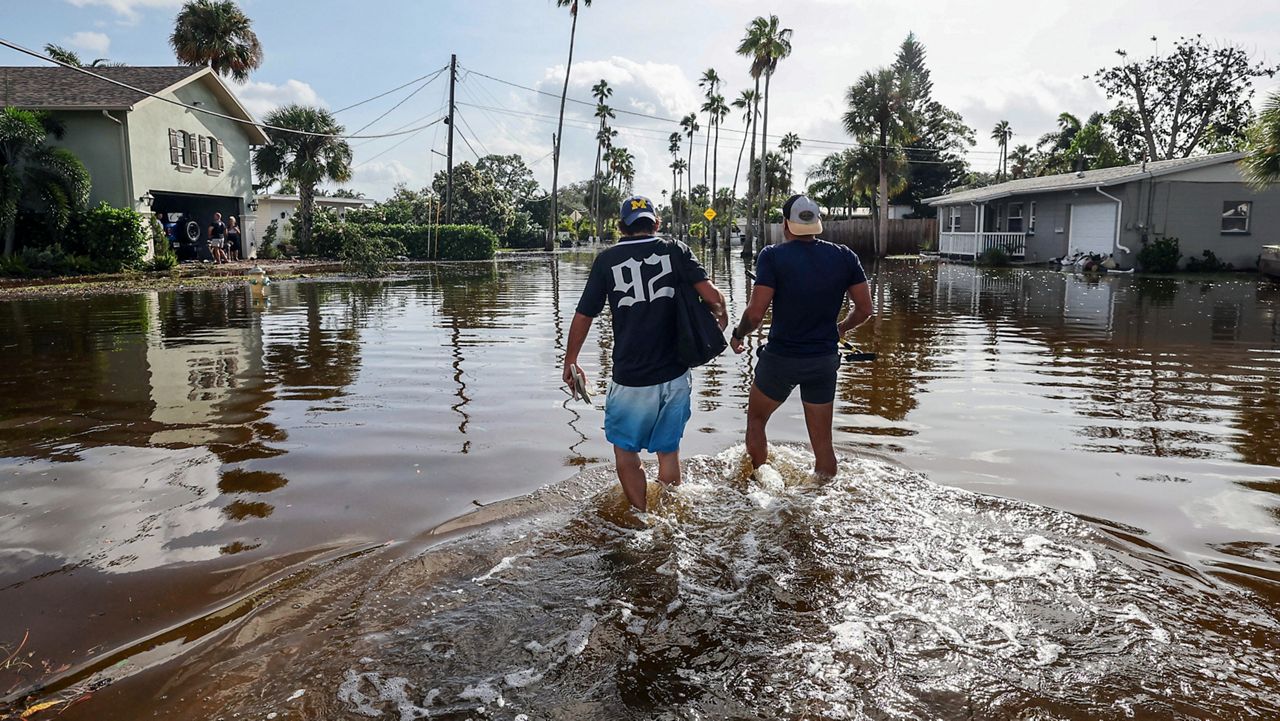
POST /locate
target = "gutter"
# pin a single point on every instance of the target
(1119, 217)
(126, 180)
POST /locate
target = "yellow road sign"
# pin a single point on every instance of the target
(709, 214)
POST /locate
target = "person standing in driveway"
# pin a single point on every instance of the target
(806, 280)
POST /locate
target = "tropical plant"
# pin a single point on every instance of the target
(766, 43)
(847, 178)
(1055, 144)
(308, 157)
(69, 57)
(673, 146)
(564, 93)
(1023, 158)
(50, 180)
(218, 35)
(789, 144)
(604, 139)
(679, 167)
(709, 81)
(716, 111)
(1159, 255)
(689, 124)
(1001, 133)
(1262, 153)
(879, 113)
(746, 102)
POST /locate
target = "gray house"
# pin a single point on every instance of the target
(145, 153)
(1203, 202)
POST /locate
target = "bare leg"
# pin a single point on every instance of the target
(631, 476)
(669, 468)
(817, 418)
(759, 408)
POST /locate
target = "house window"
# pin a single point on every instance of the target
(953, 219)
(1031, 218)
(182, 149)
(1014, 221)
(211, 155)
(1235, 216)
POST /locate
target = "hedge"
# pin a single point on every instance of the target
(114, 238)
(456, 242)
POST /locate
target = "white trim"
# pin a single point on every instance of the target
(637, 240)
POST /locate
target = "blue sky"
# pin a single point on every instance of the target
(991, 60)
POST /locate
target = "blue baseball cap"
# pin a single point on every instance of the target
(635, 208)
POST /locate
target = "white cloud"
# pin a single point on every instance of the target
(90, 42)
(127, 9)
(261, 98)
(378, 178)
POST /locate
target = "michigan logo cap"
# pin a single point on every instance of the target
(803, 215)
(635, 208)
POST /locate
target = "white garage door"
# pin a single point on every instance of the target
(1093, 228)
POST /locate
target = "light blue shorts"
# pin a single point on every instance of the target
(650, 418)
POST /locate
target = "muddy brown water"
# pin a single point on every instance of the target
(1058, 499)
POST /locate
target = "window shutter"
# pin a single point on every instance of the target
(189, 151)
(175, 154)
(204, 152)
(217, 147)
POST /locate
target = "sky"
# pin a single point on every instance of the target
(990, 60)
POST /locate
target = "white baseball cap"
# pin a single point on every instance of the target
(802, 215)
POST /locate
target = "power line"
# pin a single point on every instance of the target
(194, 108)
(393, 108)
(433, 76)
(393, 147)
(468, 142)
(473, 132)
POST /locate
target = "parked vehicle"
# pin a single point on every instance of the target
(185, 235)
(1269, 263)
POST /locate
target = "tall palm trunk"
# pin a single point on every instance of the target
(688, 205)
(307, 209)
(883, 225)
(755, 109)
(555, 152)
(674, 189)
(764, 162)
(733, 197)
(715, 160)
(595, 184)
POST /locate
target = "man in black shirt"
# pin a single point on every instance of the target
(806, 280)
(218, 238)
(648, 403)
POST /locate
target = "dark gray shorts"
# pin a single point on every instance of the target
(777, 376)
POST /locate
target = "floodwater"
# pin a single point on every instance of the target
(1059, 498)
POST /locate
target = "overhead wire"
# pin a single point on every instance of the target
(393, 108)
(432, 77)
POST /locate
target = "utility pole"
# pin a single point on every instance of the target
(448, 193)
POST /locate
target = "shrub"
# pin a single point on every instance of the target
(1210, 264)
(44, 262)
(467, 242)
(1160, 255)
(114, 238)
(369, 257)
(524, 233)
(994, 257)
(269, 249)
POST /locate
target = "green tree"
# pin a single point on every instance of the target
(849, 177)
(1023, 158)
(1262, 152)
(747, 103)
(766, 43)
(1091, 148)
(1181, 101)
(709, 81)
(410, 207)
(513, 178)
(34, 174)
(69, 57)
(564, 93)
(311, 156)
(879, 114)
(477, 198)
(1001, 133)
(604, 139)
(218, 35)
(673, 147)
(689, 124)
(1055, 144)
(789, 144)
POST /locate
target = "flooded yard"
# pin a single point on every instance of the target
(1059, 498)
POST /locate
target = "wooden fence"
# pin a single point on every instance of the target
(906, 237)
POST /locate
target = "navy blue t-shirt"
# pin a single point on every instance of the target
(638, 278)
(809, 281)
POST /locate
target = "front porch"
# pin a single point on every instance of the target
(972, 245)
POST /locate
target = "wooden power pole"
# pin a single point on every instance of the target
(448, 193)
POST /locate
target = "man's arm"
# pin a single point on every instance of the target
(753, 316)
(714, 300)
(860, 298)
(578, 330)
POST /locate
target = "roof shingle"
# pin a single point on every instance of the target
(61, 88)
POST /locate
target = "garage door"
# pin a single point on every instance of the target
(1093, 228)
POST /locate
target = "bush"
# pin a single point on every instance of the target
(1160, 255)
(269, 250)
(45, 262)
(1210, 264)
(994, 257)
(115, 238)
(467, 242)
(370, 257)
(524, 233)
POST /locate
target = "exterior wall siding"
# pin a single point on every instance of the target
(98, 142)
(1192, 213)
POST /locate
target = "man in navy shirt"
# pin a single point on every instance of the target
(648, 403)
(806, 280)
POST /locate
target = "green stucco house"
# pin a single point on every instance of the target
(147, 154)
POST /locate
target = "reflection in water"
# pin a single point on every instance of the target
(162, 453)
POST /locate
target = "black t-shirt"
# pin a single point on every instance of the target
(218, 230)
(638, 278)
(809, 281)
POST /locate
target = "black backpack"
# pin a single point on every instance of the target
(698, 336)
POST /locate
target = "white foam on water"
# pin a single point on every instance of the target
(503, 565)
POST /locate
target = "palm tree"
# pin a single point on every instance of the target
(1023, 157)
(1001, 134)
(604, 137)
(880, 109)
(679, 167)
(307, 160)
(69, 57)
(789, 144)
(216, 34)
(1055, 145)
(673, 146)
(746, 102)
(33, 173)
(564, 93)
(850, 175)
(709, 81)
(765, 43)
(1262, 151)
(716, 111)
(689, 124)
